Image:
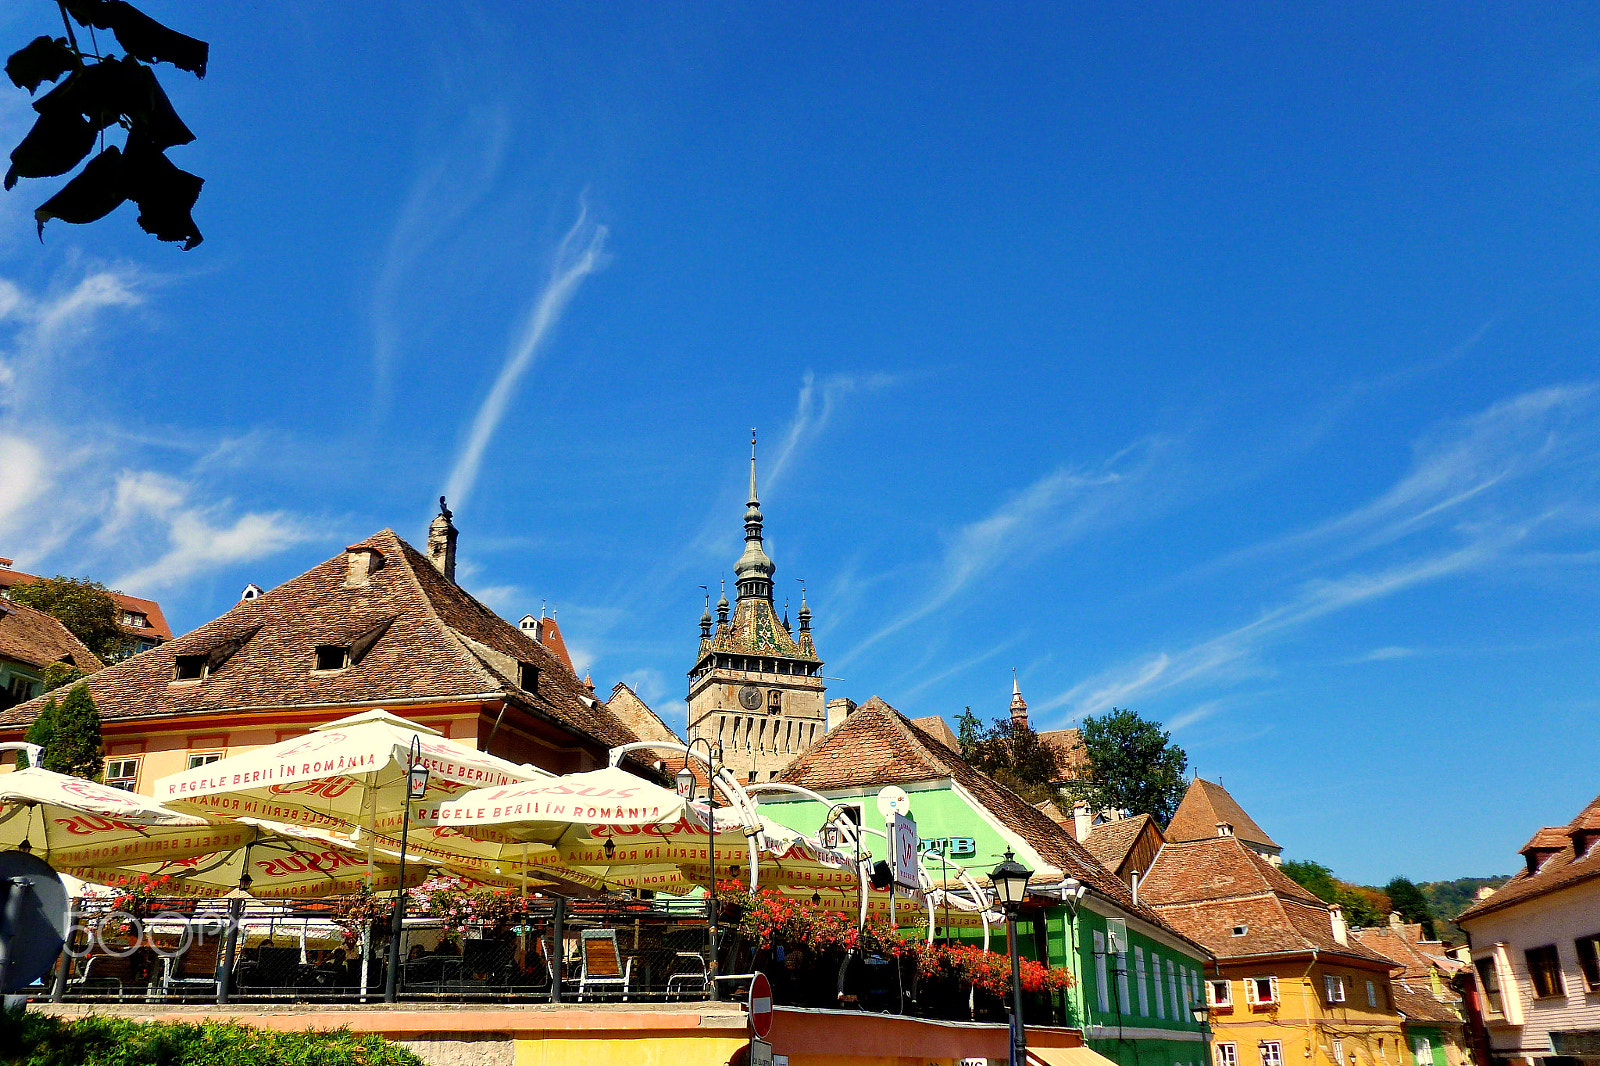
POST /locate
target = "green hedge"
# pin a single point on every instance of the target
(31, 1039)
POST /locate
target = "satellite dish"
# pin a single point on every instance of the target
(892, 801)
(33, 919)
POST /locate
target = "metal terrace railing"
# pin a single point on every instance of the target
(175, 950)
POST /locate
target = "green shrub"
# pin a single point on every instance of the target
(31, 1039)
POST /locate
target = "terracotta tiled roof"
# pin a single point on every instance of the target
(36, 639)
(1110, 842)
(936, 727)
(428, 640)
(1550, 838)
(1566, 867)
(877, 746)
(1206, 804)
(1072, 757)
(149, 608)
(1419, 1005)
(1404, 944)
(1208, 888)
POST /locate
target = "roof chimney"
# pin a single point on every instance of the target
(1082, 821)
(442, 542)
(1336, 918)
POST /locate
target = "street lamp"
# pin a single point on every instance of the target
(713, 758)
(416, 786)
(1010, 880)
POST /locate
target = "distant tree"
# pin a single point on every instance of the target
(43, 730)
(58, 674)
(1132, 766)
(69, 732)
(1011, 753)
(1314, 878)
(1408, 899)
(101, 92)
(1362, 906)
(83, 606)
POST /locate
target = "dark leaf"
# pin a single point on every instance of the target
(141, 35)
(165, 194)
(149, 110)
(99, 91)
(40, 60)
(90, 196)
(57, 143)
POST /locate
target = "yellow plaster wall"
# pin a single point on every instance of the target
(645, 1049)
(1302, 1018)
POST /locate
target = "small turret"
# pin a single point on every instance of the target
(722, 606)
(1019, 706)
(705, 620)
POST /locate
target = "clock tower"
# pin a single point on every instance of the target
(756, 687)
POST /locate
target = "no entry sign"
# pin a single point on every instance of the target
(760, 1006)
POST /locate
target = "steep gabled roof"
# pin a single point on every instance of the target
(414, 634)
(877, 745)
(1564, 868)
(1110, 842)
(1404, 944)
(1207, 804)
(936, 727)
(36, 639)
(637, 715)
(1419, 1005)
(1208, 888)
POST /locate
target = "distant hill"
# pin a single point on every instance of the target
(1447, 899)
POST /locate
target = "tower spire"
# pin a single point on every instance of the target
(1019, 706)
(753, 572)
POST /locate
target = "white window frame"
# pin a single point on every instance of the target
(1338, 1051)
(1155, 984)
(1227, 1054)
(1178, 1006)
(1333, 987)
(1122, 982)
(1102, 980)
(1270, 1052)
(1252, 994)
(1211, 992)
(198, 759)
(132, 779)
(1142, 977)
(1422, 1050)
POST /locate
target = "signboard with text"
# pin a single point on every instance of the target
(903, 851)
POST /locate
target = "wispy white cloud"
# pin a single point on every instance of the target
(581, 253)
(1480, 492)
(814, 409)
(1055, 510)
(1389, 654)
(74, 494)
(441, 196)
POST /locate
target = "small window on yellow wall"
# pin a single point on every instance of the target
(1333, 987)
(1227, 1055)
(1220, 993)
(1261, 990)
(203, 758)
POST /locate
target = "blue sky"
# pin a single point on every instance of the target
(1238, 367)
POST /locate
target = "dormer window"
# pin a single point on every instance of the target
(527, 677)
(189, 667)
(135, 620)
(1224, 829)
(332, 657)
(1240, 930)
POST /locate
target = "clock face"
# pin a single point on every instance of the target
(750, 698)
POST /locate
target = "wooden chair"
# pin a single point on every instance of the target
(602, 967)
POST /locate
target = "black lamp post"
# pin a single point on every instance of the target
(830, 839)
(416, 785)
(686, 788)
(1010, 881)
